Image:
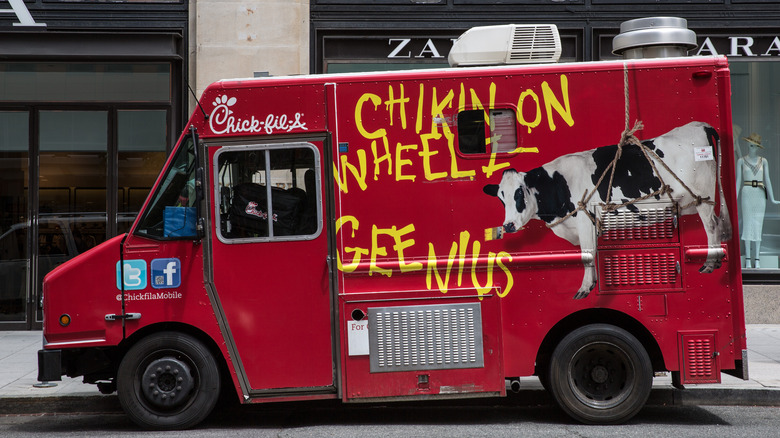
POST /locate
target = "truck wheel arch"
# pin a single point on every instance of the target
(595, 316)
(229, 393)
(195, 332)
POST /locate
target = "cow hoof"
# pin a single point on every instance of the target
(584, 292)
(706, 269)
(581, 294)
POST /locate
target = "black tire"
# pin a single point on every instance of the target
(168, 381)
(600, 374)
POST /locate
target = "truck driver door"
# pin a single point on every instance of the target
(269, 261)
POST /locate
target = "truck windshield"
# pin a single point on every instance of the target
(171, 214)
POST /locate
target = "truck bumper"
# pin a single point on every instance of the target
(741, 367)
(49, 365)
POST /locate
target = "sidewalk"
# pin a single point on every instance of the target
(19, 372)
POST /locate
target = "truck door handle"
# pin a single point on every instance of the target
(114, 316)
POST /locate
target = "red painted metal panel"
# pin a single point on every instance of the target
(652, 304)
(250, 108)
(276, 300)
(632, 270)
(442, 379)
(699, 357)
(424, 230)
(87, 310)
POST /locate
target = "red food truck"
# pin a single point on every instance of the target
(421, 235)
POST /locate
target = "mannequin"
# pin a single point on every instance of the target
(754, 187)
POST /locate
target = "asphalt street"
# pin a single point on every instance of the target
(21, 393)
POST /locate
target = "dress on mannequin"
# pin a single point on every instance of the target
(754, 187)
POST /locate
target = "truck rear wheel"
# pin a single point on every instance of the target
(168, 381)
(600, 374)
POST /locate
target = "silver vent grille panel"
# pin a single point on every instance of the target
(534, 43)
(429, 337)
(649, 221)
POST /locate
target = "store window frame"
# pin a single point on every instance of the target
(23, 224)
(33, 315)
(751, 115)
(126, 2)
(113, 209)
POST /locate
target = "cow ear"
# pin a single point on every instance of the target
(491, 189)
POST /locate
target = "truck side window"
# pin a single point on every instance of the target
(484, 132)
(172, 213)
(268, 193)
(471, 132)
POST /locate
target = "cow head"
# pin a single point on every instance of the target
(519, 201)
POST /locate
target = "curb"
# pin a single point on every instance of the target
(90, 404)
(715, 397)
(109, 404)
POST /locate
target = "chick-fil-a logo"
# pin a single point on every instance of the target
(222, 120)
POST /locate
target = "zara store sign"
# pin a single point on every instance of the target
(406, 48)
(729, 45)
(23, 16)
(740, 45)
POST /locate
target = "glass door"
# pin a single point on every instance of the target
(80, 147)
(142, 139)
(71, 201)
(14, 217)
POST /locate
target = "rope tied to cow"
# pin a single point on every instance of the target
(628, 137)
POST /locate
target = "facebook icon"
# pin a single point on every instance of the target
(166, 273)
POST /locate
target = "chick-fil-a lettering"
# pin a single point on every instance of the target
(281, 123)
(222, 121)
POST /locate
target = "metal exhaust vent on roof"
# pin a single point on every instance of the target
(507, 44)
(654, 37)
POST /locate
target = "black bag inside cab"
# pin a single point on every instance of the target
(249, 210)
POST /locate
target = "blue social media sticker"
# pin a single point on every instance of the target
(134, 274)
(165, 273)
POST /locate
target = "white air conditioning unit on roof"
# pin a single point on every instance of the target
(507, 44)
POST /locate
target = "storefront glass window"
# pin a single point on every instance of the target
(14, 167)
(756, 116)
(72, 190)
(85, 82)
(142, 141)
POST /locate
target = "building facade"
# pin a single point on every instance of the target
(94, 93)
(357, 35)
(91, 100)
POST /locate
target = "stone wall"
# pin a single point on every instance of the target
(235, 39)
(762, 304)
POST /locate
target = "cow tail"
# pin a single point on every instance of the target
(723, 221)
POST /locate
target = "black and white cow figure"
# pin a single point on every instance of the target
(552, 191)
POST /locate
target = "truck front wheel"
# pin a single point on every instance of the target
(168, 381)
(600, 374)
